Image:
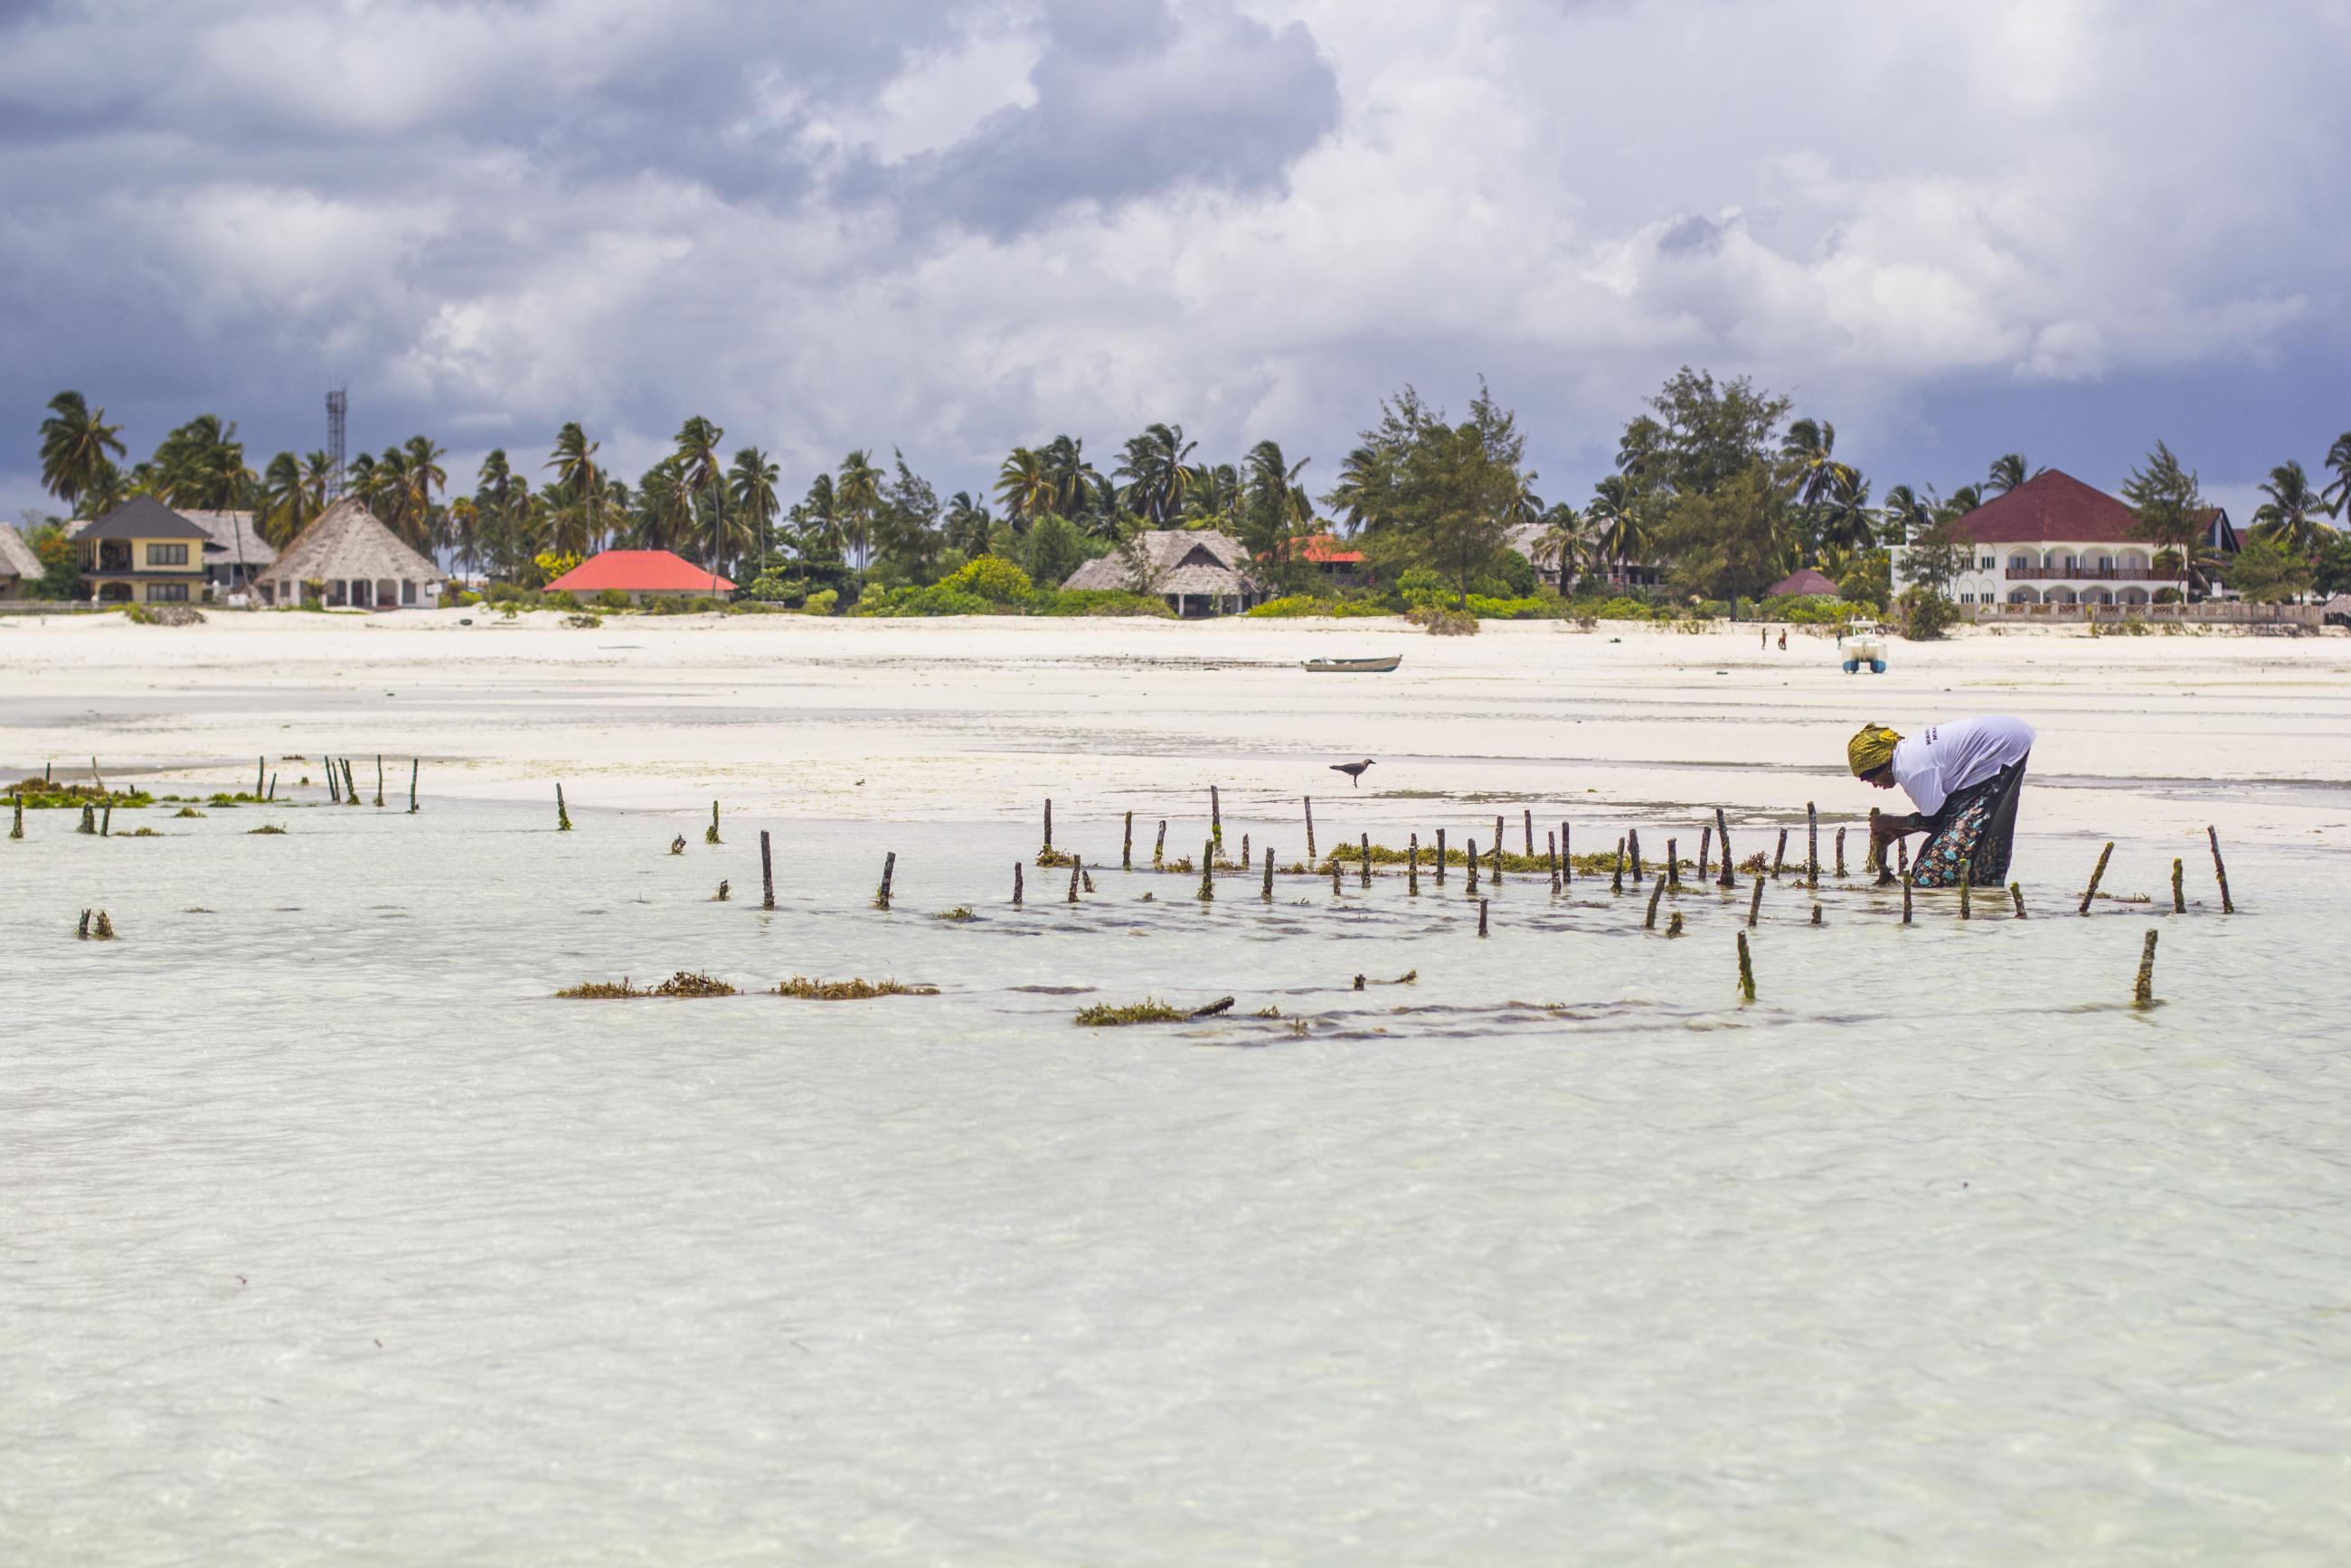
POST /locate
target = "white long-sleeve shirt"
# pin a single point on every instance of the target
(1946, 759)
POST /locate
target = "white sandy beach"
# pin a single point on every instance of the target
(968, 720)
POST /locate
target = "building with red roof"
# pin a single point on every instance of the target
(1810, 580)
(642, 574)
(2055, 540)
(1337, 565)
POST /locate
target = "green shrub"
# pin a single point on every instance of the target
(991, 578)
(561, 598)
(1421, 586)
(1625, 608)
(1811, 609)
(704, 604)
(1529, 608)
(2167, 596)
(1100, 601)
(1926, 615)
(612, 599)
(822, 603)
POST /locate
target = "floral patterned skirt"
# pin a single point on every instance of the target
(1976, 829)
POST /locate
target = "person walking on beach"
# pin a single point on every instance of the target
(1965, 778)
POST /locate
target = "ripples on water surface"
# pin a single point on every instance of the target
(331, 1236)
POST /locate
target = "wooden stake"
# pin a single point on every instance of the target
(2220, 871)
(889, 874)
(260, 773)
(1440, 857)
(2096, 873)
(723, 890)
(1473, 867)
(1618, 885)
(1335, 876)
(1840, 852)
(379, 780)
(1906, 895)
(1246, 859)
(1674, 924)
(1780, 854)
(1159, 846)
(82, 931)
(2143, 994)
(1310, 827)
(1266, 892)
(1126, 845)
(1811, 845)
(1632, 848)
(1656, 891)
(1411, 869)
(89, 820)
(1366, 852)
(334, 784)
(106, 823)
(1816, 914)
(2178, 887)
(1673, 864)
(2016, 892)
(1550, 842)
(1876, 860)
(1705, 849)
(562, 816)
(1755, 904)
(1722, 838)
(1530, 827)
(1566, 857)
(1049, 821)
(1902, 856)
(1967, 890)
(273, 787)
(766, 873)
(1216, 818)
(1077, 875)
(1746, 970)
(414, 765)
(710, 834)
(17, 828)
(1481, 917)
(1016, 884)
(351, 789)
(1498, 851)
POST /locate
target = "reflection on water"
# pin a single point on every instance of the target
(332, 1234)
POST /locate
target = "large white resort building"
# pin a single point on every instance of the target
(2055, 541)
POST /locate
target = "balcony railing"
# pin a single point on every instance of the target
(2089, 574)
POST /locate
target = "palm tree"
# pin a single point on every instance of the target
(465, 530)
(360, 480)
(752, 485)
(109, 486)
(2337, 494)
(392, 490)
(664, 514)
(1809, 450)
(2291, 514)
(1844, 515)
(318, 478)
(857, 496)
(2008, 472)
(1024, 486)
(1616, 519)
(966, 526)
(1275, 482)
(1361, 478)
(75, 441)
(425, 476)
(816, 521)
(286, 507)
(1153, 467)
(701, 471)
(1904, 514)
(1070, 478)
(1565, 545)
(573, 458)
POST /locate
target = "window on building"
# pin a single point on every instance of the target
(167, 555)
(1985, 564)
(167, 592)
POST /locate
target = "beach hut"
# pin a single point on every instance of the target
(1198, 572)
(20, 568)
(641, 574)
(346, 557)
(1809, 582)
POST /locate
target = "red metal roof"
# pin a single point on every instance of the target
(1809, 581)
(639, 571)
(1321, 548)
(2052, 508)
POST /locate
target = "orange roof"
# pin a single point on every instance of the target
(1319, 547)
(640, 572)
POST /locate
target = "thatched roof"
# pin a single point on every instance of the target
(1180, 561)
(233, 535)
(16, 557)
(346, 543)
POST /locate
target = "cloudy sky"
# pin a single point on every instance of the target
(2060, 226)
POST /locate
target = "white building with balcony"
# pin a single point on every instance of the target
(2056, 542)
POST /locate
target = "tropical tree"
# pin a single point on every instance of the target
(1156, 474)
(1361, 481)
(286, 506)
(2337, 494)
(1842, 519)
(966, 526)
(1617, 520)
(2169, 512)
(857, 497)
(1814, 470)
(1904, 514)
(2289, 516)
(578, 481)
(701, 471)
(75, 442)
(1566, 545)
(751, 486)
(424, 476)
(1072, 479)
(2008, 472)
(1024, 486)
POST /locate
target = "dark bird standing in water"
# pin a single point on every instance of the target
(1354, 770)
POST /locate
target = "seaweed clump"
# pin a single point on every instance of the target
(960, 913)
(1151, 1010)
(855, 990)
(685, 983)
(265, 828)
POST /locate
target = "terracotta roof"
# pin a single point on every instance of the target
(638, 571)
(1321, 548)
(142, 518)
(2051, 507)
(346, 542)
(16, 557)
(1809, 581)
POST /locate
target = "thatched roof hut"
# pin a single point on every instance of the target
(18, 564)
(1197, 570)
(347, 558)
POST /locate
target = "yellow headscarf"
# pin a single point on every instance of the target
(1871, 748)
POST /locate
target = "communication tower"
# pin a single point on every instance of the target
(339, 405)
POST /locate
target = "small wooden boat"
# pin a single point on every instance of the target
(1353, 666)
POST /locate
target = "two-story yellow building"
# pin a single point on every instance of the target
(144, 552)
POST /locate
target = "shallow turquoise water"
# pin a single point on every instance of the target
(330, 1235)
